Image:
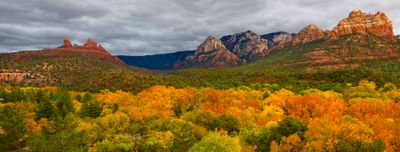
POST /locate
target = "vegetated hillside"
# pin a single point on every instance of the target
(361, 46)
(323, 64)
(157, 61)
(67, 65)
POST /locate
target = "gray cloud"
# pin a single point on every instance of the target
(138, 27)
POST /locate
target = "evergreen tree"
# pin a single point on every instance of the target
(90, 107)
(12, 129)
(64, 102)
(78, 97)
(45, 108)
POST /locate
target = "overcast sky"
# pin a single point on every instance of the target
(139, 27)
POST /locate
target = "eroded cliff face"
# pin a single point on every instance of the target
(278, 38)
(67, 43)
(211, 53)
(359, 22)
(282, 39)
(14, 76)
(247, 45)
(210, 44)
(309, 34)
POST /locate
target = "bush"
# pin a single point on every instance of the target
(216, 142)
(357, 145)
(289, 125)
(226, 122)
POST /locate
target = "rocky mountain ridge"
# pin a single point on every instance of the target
(211, 53)
(248, 46)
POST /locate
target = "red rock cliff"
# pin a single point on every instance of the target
(308, 34)
(359, 22)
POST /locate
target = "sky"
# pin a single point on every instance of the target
(143, 27)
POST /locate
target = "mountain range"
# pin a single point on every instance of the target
(361, 46)
(158, 61)
(249, 47)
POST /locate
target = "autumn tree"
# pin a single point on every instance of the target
(357, 145)
(226, 122)
(288, 126)
(12, 129)
(217, 142)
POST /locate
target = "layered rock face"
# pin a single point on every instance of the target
(210, 44)
(309, 34)
(12, 76)
(90, 44)
(211, 53)
(278, 38)
(359, 22)
(247, 45)
(67, 42)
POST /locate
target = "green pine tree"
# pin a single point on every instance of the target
(90, 108)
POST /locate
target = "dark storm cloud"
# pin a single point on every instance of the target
(137, 27)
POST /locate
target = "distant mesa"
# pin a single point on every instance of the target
(359, 22)
(90, 44)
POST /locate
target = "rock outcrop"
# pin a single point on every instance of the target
(309, 34)
(278, 38)
(247, 45)
(12, 76)
(211, 53)
(359, 22)
(67, 43)
(101, 48)
(90, 44)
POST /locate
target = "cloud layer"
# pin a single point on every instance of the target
(138, 27)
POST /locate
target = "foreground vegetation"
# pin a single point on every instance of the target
(265, 118)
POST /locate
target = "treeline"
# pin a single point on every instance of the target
(256, 118)
(294, 80)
